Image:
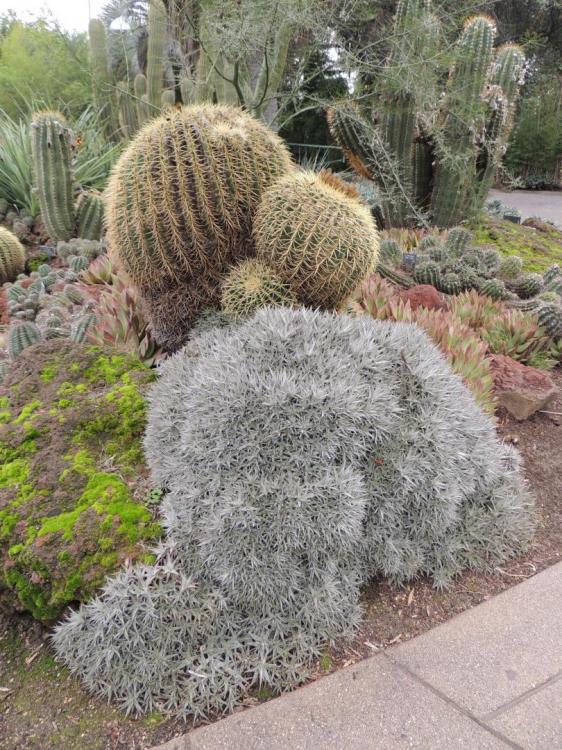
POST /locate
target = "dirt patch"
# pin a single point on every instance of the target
(45, 709)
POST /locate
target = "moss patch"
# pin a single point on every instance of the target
(539, 250)
(74, 493)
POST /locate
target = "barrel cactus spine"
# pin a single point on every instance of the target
(319, 239)
(12, 256)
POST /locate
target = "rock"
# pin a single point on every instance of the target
(520, 389)
(539, 224)
(20, 230)
(423, 295)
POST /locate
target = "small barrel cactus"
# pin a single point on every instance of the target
(78, 263)
(16, 293)
(510, 267)
(390, 252)
(81, 328)
(319, 239)
(21, 336)
(12, 256)
(458, 241)
(44, 270)
(493, 288)
(551, 273)
(51, 147)
(182, 196)
(491, 259)
(469, 278)
(437, 252)
(555, 285)
(549, 316)
(450, 283)
(251, 285)
(73, 294)
(527, 286)
(427, 273)
(89, 216)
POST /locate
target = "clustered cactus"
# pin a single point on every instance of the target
(203, 188)
(12, 256)
(304, 471)
(430, 151)
(52, 144)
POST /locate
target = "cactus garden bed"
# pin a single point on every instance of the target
(539, 248)
(43, 708)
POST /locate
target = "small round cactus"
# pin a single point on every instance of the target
(82, 327)
(510, 267)
(437, 252)
(73, 294)
(44, 270)
(20, 337)
(528, 286)
(390, 253)
(555, 285)
(450, 283)
(493, 288)
(491, 259)
(318, 239)
(554, 271)
(12, 256)
(549, 316)
(251, 285)
(458, 241)
(469, 278)
(427, 273)
(78, 263)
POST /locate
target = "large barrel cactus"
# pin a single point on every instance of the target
(181, 197)
(319, 239)
(51, 147)
(12, 256)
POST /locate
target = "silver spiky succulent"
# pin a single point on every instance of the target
(302, 454)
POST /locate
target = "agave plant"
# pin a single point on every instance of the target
(518, 335)
(120, 323)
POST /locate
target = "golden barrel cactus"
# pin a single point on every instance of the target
(12, 256)
(320, 240)
(181, 198)
(251, 285)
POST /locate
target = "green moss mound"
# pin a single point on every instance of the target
(538, 249)
(74, 494)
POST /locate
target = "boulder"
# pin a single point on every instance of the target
(423, 295)
(520, 389)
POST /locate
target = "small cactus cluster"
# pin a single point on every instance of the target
(12, 256)
(20, 337)
(52, 145)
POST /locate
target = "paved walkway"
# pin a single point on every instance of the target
(491, 678)
(546, 204)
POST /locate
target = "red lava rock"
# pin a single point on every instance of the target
(423, 295)
(520, 389)
(4, 315)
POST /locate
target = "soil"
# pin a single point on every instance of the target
(43, 708)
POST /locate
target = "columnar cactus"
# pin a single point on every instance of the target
(51, 146)
(127, 111)
(157, 28)
(251, 285)
(320, 240)
(12, 256)
(20, 336)
(182, 195)
(89, 215)
(101, 75)
(141, 96)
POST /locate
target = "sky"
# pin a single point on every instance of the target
(72, 15)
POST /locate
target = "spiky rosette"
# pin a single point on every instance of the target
(251, 285)
(319, 240)
(182, 195)
(12, 256)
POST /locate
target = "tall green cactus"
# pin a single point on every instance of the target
(128, 115)
(157, 28)
(51, 147)
(12, 256)
(89, 215)
(462, 115)
(101, 75)
(141, 96)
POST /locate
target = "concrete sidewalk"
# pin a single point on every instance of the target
(489, 678)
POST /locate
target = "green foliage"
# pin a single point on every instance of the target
(319, 239)
(38, 62)
(539, 250)
(251, 285)
(12, 256)
(68, 517)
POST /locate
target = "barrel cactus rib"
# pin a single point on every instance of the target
(12, 256)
